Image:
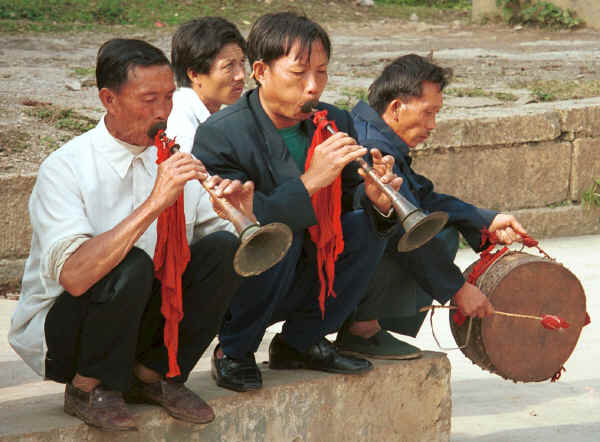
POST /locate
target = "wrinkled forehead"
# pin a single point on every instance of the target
(148, 78)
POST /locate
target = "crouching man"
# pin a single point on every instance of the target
(90, 308)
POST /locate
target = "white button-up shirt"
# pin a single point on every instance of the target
(187, 113)
(83, 189)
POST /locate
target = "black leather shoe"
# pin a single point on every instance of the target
(236, 374)
(322, 356)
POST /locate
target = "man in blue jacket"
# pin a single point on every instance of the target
(265, 137)
(403, 103)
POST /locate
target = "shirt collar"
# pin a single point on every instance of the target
(196, 105)
(367, 113)
(118, 155)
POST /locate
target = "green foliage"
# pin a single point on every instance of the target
(535, 12)
(478, 92)
(440, 4)
(351, 96)
(552, 90)
(83, 72)
(46, 14)
(65, 119)
(591, 196)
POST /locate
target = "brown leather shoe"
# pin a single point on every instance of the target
(100, 408)
(178, 400)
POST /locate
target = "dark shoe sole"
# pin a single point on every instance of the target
(299, 365)
(415, 355)
(75, 412)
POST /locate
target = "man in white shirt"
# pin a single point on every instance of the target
(89, 311)
(208, 59)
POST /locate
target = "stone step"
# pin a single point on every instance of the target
(398, 400)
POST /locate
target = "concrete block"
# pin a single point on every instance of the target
(579, 122)
(585, 166)
(549, 222)
(11, 272)
(503, 178)
(15, 236)
(497, 128)
(397, 401)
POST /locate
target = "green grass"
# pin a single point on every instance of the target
(553, 90)
(64, 119)
(67, 15)
(14, 140)
(82, 72)
(351, 96)
(479, 92)
(591, 197)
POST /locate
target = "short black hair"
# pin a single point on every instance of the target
(403, 78)
(118, 56)
(196, 44)
(273, 35)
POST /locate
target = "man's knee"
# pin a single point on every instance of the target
(132, 277)
(359, 235)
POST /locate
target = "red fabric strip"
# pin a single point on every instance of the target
(171, 256)
(327, 234)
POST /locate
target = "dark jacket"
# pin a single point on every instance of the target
(241, 142)
(430, 264)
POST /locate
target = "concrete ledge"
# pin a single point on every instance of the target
(548, 222)
(397, 401)
(11, 273)
(503, 178)
(15, 236)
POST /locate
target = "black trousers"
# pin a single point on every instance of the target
(394, 296)
(105, 331)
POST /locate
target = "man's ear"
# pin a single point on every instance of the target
(395, 108)
(108, 98)
(193, 77)
(258, 71)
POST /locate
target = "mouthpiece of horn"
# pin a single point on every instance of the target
(161, 125)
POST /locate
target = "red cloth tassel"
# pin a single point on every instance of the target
(553, 322)
(327, 234)
(171, 256)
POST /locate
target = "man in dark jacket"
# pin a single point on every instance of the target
(264, 137)
(403, 103)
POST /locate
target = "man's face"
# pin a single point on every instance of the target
(414, 119)
(224, 83)
(144, 100)
(291, 81)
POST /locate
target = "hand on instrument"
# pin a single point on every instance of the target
(328, 160)
(172, 175)
(472, 302)
(383, 166)
(507, 228)
(232, 193)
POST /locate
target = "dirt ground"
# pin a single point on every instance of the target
(47, 89)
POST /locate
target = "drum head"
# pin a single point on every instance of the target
(522, 349)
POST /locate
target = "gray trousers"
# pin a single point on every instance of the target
(394, 296)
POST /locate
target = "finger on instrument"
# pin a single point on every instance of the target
(233, 187)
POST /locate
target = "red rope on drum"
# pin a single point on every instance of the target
(556, 376)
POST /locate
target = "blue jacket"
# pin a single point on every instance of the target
(430, 264)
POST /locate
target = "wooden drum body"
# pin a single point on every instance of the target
(522, 349)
